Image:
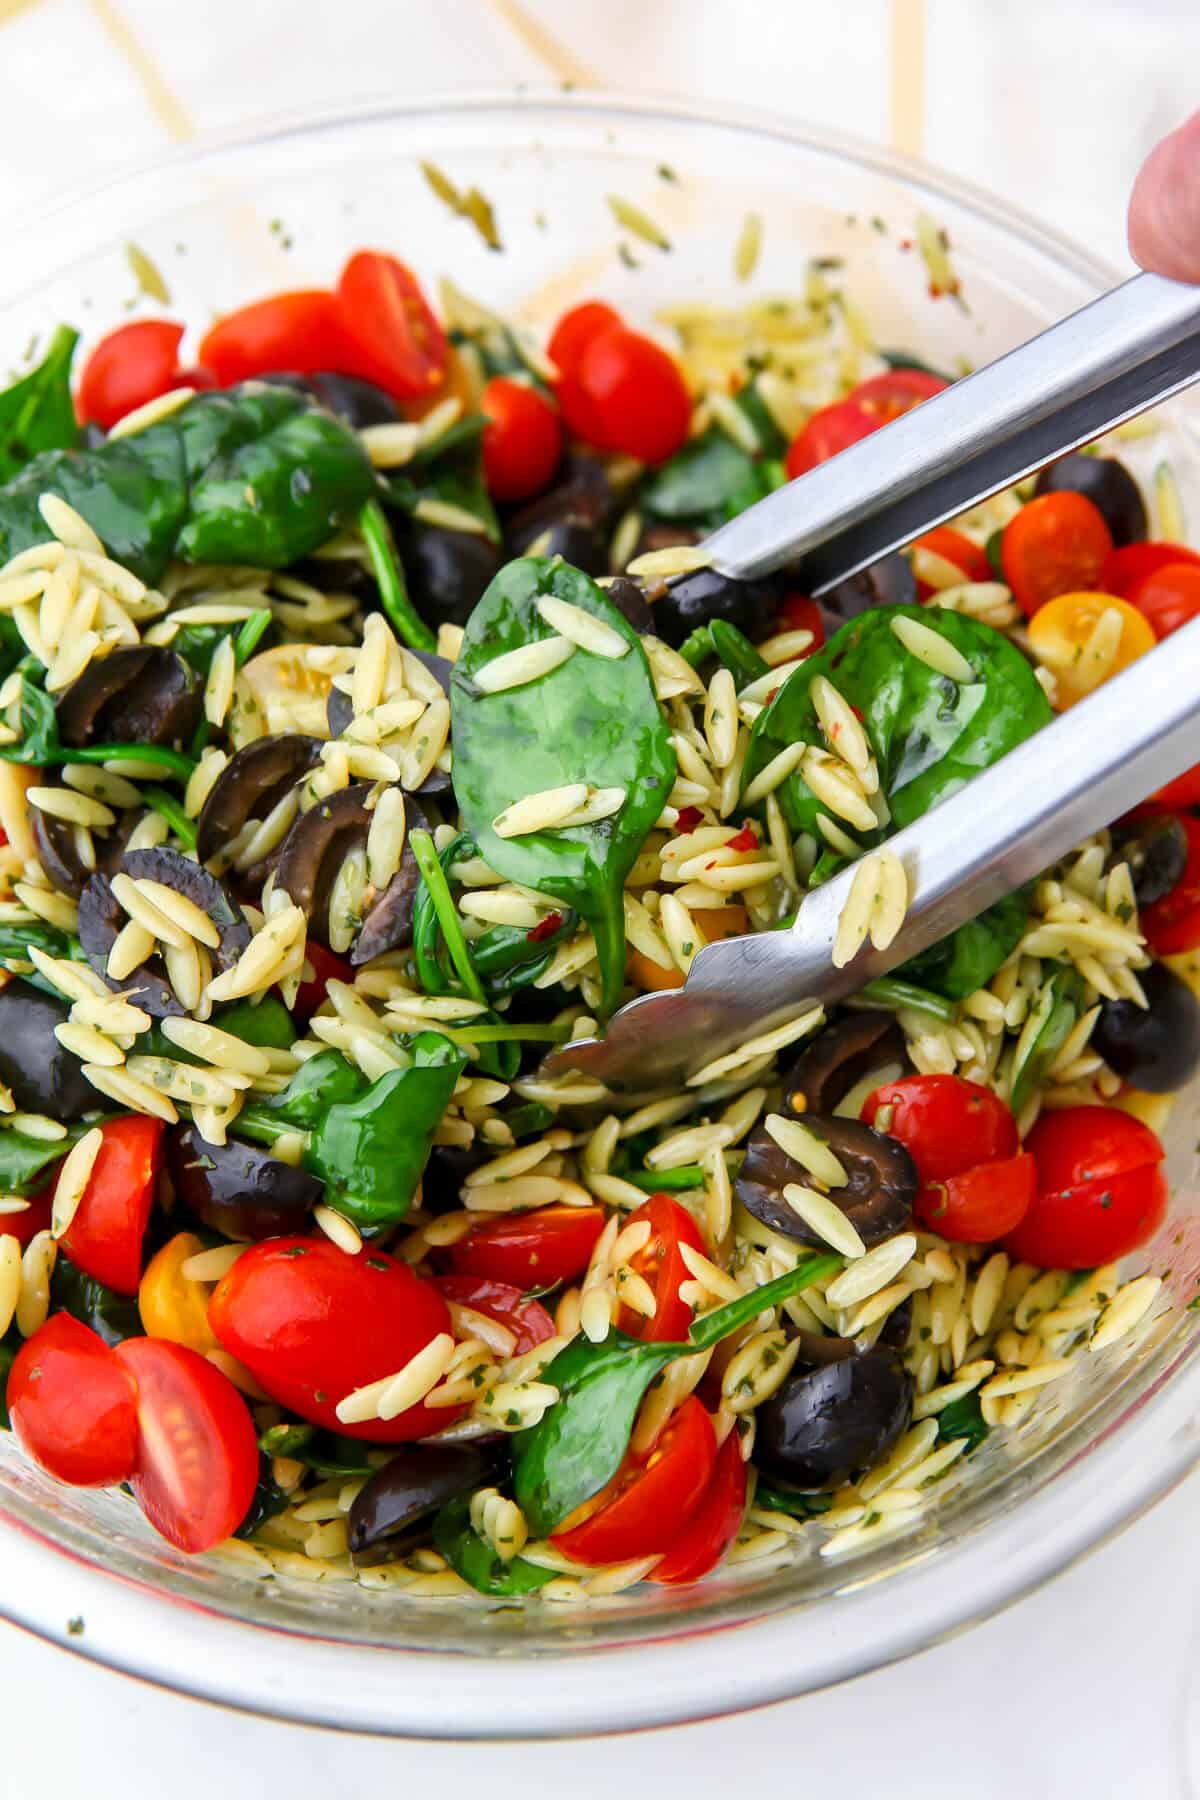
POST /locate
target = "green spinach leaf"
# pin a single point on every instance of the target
(37, 412)
(25, 1160)
(970, 956)
(963, 1419)
(476, 1561)
(110, 1315)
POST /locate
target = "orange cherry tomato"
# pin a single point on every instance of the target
(72, 1405)
(172, 1306)
(660, 1263)
(133, 364)
(650, 1497)
(712, 922)
(523, 441)
(1057, 544)
(1060, 633)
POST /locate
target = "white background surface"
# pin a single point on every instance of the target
(1088, 1687)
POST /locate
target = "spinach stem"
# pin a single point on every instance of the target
(402, 615)
(711, 1327)
(246, 641)
(164, 803)
(667, 1181)
(505, 1034)
(173, 762)
(889, 991)
(448, 919)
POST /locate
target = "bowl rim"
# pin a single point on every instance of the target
(138, 1629)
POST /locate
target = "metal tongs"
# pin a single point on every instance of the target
(1127, 351)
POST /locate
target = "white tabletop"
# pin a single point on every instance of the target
(1087, 1687)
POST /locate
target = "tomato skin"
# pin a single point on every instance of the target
(104, 1239)
(1169, 597)
(644, 1505)
(1127, 567)
(327, 966)
(1057, 544)
(798, 613)
(871, 404)
(72, 1405)
(712, 922)
(296, 333)
(1090, 1143)
(627, 394)
(1060, 629)
(312, 1324)
(135, 363)
(575, 331)
(957, 548)
(25, 1225)
(197, 1451)
(530, 1249)
(398, 342)
(523, 442)
(524, 1316)
(980, 1204)
(661, 1264)
(948, 1125)
(1172, 924)
(1101, 1189)
(699, 1546)
(1178, 795)
(170, 1304)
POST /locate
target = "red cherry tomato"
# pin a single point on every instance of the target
(1169, 597)
(1177, 796)
(1057, 544)
(650, 1497)
(868, 406)
(195, 375)
(1131, 564)
(946, 1124)
(36, 1217)
(661, 1264)
(575, 331)
(957, 548)
(798, 613)
(133, 364)
(1101, 1191)
(626, 393)
(197, 1450)
(104, 1238)
(1173, 923)
(523, 442)
(530, 1249)
(326, 967)
(73, 1406)
(707, 1535)
(295, 333)
(400, 344)
(981, 1204)
(889, 395)
(528, 1321)
(312, 1324)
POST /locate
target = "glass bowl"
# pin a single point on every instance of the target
(281, 208)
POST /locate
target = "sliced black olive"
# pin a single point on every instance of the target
(54, 840)
(839, 1056)
(889, 582)
(359, 403)
(447, 1169)
(877, 1198)
(92, 436)
(339, 710)
(447, 571)
(250, 785)
(569, 520)
(41, 1075)
(1109, 486)
(826, 1425)
(141, 694)
(101, 917)
(703, 596)
(1156, 1048)
(418, 1480)
(1157, 852)
(896, 1326)
(631, 603)
(238, 1189)
(314, 851)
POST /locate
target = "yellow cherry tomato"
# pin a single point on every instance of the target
(1084, 638)
(171, 1305)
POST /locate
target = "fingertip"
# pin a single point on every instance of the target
(1164, 208)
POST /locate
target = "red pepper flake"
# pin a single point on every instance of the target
(689, 818)
(906, 243)
(545, 928)
(746, 839)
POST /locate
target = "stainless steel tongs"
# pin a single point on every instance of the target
(1111, 360)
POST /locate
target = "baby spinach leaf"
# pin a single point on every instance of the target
(9, 1345)
(701, 481)
(731, 647)
(110, 1315)
(963, 1419)
(269, 1499)
(17, 940)
(472, 1557)
(24, 1160)
(37, 412)
(970, 956)
(594, 719)
(786, 1500)
(133, 492)
(323, 1081)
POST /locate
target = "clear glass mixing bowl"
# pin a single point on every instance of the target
(281, 208)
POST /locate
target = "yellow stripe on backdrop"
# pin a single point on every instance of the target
(555, 57)
(906, 84)
(167, 108)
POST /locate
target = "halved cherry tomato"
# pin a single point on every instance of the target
(73, 1406)
(957, 548)
(399, 343)
(35, 1217)
(575, 331)
(649, 1498)
(661, 1264)
(1172, 924)
(171, 1305)
(135, 363)
(626, 393)
(981, 1204)
(946, 1124)
(707, 1535)
(525, 1317)
(1177, 796)
(533, 1249)
(798, 613)
(1060, 630)
(1132, 563)
(1101, 1191)
(197, 1451)
(870, 405)
(295, 333)
(712, 922)
(1057, 544)
(523, 442)
(326, 967)
(312, 1324)
(1169, 597)
(104, 1238)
